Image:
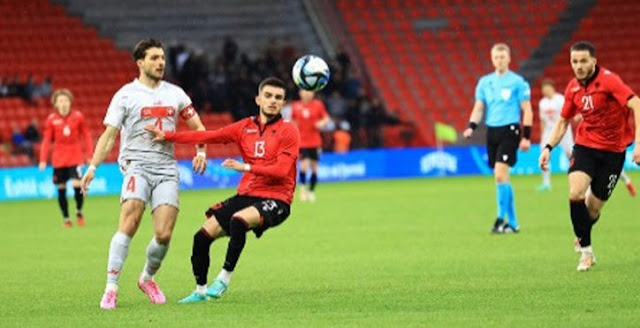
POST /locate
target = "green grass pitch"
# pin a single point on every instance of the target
(398, 253)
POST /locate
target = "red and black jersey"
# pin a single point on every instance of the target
(69, 135)
(602, 102)
(271, 149)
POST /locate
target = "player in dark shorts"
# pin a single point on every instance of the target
(66, 132)
(605, 103)
(269, 146)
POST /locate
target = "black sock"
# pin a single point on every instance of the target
(62, 201)
(313, 181)
(238, 238)
(581, 222)
(79, 199)
(303, 177)
(200, 256)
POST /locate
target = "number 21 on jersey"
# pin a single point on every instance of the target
(259, 149)
(587, 103)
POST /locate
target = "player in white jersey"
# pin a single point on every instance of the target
(149, 169)
(549, 108)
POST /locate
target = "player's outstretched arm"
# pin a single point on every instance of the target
(199, 161)
(634, 104)
(103, 148)
(474, 120)
(225, 134)
(559, 129)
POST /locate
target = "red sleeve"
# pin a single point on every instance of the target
(568, 108)
(225, 134)
(323, 110)
(620, 91)
(46, 141)
(88, 143)
(287, 156)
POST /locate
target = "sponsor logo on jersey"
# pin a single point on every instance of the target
(248, 130)
(157, 111)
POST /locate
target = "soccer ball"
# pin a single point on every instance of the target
(311, 73)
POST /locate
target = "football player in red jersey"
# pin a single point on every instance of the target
(269, 146)
(605, 104)
(310, 116)
(68, 132)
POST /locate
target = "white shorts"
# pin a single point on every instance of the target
(157, 185)
(566, 143)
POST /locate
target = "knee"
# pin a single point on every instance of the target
(131, 220)
(501, 177)
(576, 193)
(163, 237)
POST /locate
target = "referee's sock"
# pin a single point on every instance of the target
(511, 206)
(313, 181)
(581, 221)
(501, 199)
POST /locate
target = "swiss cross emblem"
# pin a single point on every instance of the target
(170, 112)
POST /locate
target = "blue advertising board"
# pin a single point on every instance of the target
(30, 183)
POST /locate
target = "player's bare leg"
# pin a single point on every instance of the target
(164, 219)
(241, 222)
(304, 191)
(64, 204)
(585, 211)
(311, 196)
(130, 215)
(202, 240)
(79, 197)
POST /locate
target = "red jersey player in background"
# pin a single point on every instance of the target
(269, 146)
(604, 102)
(68, 132)
(311, 116)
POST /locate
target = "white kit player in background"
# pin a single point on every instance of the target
(550, 107)
(149, 169)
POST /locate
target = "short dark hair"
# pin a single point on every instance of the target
(274, 82)
(547, 82)
(140, 50)
(584, 46)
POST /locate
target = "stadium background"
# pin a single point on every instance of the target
(398, 67)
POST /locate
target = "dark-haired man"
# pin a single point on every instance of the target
(269, 146)
(605, 104)
(149, 169)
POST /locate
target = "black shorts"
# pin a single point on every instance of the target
(272, 211)
(602, 166)
(502, 144)
(63, 174)
(310, 153)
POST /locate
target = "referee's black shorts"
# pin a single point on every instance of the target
(602, 166)
(502, 144)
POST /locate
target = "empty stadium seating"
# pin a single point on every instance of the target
(40, 38)
(612, 27)
(429, 74)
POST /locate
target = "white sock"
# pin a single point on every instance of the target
(625, 177)
(201, 289)
(155, 255)
(587, 249)
(225, 276)
(111, 287)
(118, 251)
(546, 178)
